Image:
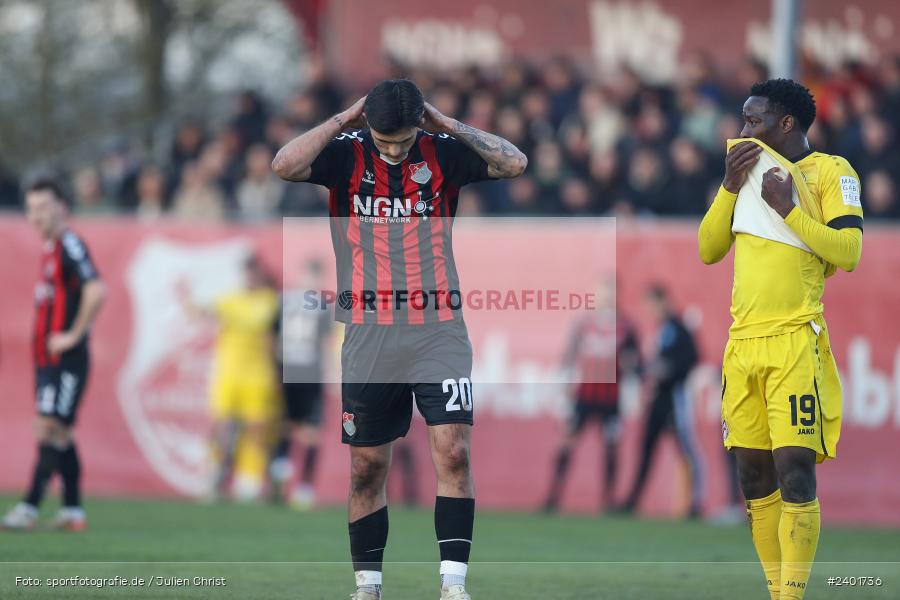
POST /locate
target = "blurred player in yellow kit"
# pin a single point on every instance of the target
(794, 216)
(244, 387)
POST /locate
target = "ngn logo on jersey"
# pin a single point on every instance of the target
(392, 208)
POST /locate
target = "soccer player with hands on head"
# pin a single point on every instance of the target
(394, 189)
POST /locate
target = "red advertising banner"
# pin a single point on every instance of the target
(143, 424)
(361, 38)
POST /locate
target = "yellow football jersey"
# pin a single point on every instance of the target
(244, 345)
(778, 287)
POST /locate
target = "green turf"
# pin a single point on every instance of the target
(270, 552)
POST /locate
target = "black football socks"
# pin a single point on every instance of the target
(454, 519)
(368, 537)
(47, 463)
(70, 471)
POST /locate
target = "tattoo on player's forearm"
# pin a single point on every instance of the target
(499, 153)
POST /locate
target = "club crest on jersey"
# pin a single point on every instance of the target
(419, 172)
(349, 425)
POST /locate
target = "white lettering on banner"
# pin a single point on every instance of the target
(527, 389)
(638, 35)
(440, 43)
(508, 387)
(830, 42)
(868, 391)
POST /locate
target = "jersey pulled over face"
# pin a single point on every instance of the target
(778, 287)
(65, 267)
(391, 226)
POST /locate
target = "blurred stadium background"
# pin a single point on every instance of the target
(162, 117)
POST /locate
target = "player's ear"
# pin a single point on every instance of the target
(787, 123)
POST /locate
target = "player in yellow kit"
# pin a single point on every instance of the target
(781, 395)
(244, 387)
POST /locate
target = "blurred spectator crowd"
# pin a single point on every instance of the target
(623, 147)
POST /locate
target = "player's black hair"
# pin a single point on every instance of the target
(789, 98)
(393, 105)
(48, 184)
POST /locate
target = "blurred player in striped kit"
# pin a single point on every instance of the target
(603, 348)
(68, 297)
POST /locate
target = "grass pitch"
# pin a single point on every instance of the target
(159, 547)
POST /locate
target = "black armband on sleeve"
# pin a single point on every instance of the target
(846, 222)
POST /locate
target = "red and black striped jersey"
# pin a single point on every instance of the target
(597, 347)
(65, 267)
(391, 226)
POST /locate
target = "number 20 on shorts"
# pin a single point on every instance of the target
(460, 394)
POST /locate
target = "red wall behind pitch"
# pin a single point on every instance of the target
(512, 448)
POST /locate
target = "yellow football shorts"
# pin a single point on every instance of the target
(782, 390)
(247, 399)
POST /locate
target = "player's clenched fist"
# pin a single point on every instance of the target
(737, 162)
(777, 191)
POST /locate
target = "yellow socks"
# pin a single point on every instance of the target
(249, 468)
(764, 516)
(798, 534)
(786, 536)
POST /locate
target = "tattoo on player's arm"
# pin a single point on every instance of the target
(505, 159)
